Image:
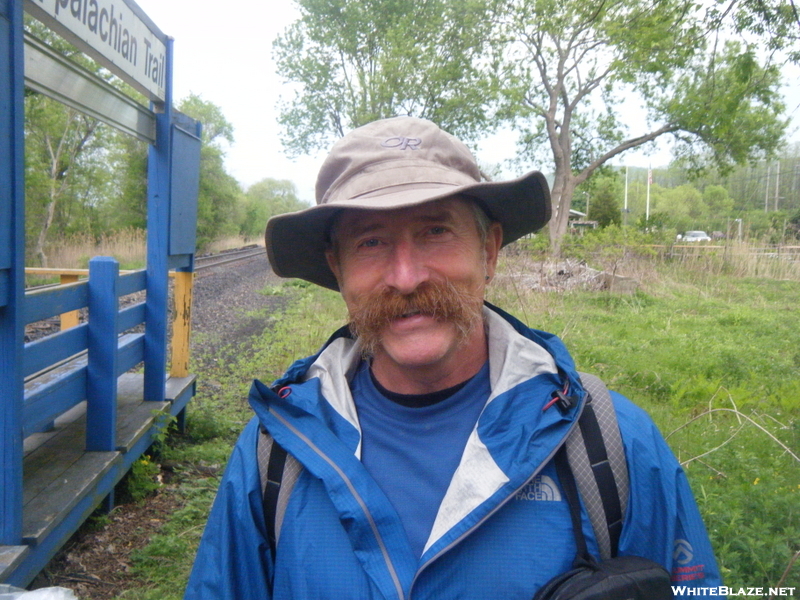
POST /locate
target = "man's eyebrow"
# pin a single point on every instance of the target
(357, 229)
(443, 216)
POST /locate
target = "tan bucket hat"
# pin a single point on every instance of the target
(390, 164)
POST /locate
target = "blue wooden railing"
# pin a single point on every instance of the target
(94, 377)
(83, 363)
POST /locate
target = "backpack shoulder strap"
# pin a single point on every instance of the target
(597, 459)
(278, 471)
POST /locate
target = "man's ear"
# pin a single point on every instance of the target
(333, 264)
(494, 241)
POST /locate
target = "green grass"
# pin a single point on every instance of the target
(677, 342)
(691, 340)
(687, 344)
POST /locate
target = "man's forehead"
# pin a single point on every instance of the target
(448, 209)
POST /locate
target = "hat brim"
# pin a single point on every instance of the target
(296, 242)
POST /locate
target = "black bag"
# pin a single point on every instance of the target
(618, 578)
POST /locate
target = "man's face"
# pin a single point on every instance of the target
(413, 280)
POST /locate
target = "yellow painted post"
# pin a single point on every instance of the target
(71, 318)
(181, 323)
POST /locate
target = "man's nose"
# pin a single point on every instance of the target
(405, 270)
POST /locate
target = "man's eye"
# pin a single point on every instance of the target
(438, 230)
(370, 243)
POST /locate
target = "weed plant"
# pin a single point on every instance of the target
(142, 480)
(710, 353)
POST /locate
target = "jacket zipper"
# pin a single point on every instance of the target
(384, 551)
(460, 538)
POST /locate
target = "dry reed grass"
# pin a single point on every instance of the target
(740, 259)
(128, 246)
(523, 276)
(744, 259)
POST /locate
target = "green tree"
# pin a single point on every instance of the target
(264, 199)
(605, 205)
(219, 193)
(355, 61)
(718, 200)
(683, 208)
(562, 70)
(64, 170)
(566, 67)
(775, 22)
(67, 175)
(217, 130)
(217, 199)
(126, 206)
(793, 225)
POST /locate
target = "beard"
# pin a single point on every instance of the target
(444, 301)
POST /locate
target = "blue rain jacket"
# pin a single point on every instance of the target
(503, 528)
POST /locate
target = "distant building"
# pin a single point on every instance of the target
(578, 222)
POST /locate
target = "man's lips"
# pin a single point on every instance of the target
(413, 313)
(410, 319)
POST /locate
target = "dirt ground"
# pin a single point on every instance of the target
(95, 564)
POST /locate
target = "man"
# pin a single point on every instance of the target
(424, 430)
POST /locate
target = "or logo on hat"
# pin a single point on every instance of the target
(403, 143)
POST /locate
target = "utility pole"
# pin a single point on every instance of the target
(766, 193)
(777, 183)
(625, 213)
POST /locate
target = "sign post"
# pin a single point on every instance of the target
(12, 270)
(159, 167)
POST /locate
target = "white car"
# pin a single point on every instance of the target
(696, 236)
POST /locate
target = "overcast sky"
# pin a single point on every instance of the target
(224, 54)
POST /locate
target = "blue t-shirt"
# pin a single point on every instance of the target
(412, 453)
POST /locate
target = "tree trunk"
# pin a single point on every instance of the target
(57, 180)
(60, 168)
(48, 221)
(561, 196)
(560, 220)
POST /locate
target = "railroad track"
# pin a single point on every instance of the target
(201, 263)
(205, 263)
(228, 256)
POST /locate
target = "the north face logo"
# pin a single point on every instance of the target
(541, 488)
(402, 143)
